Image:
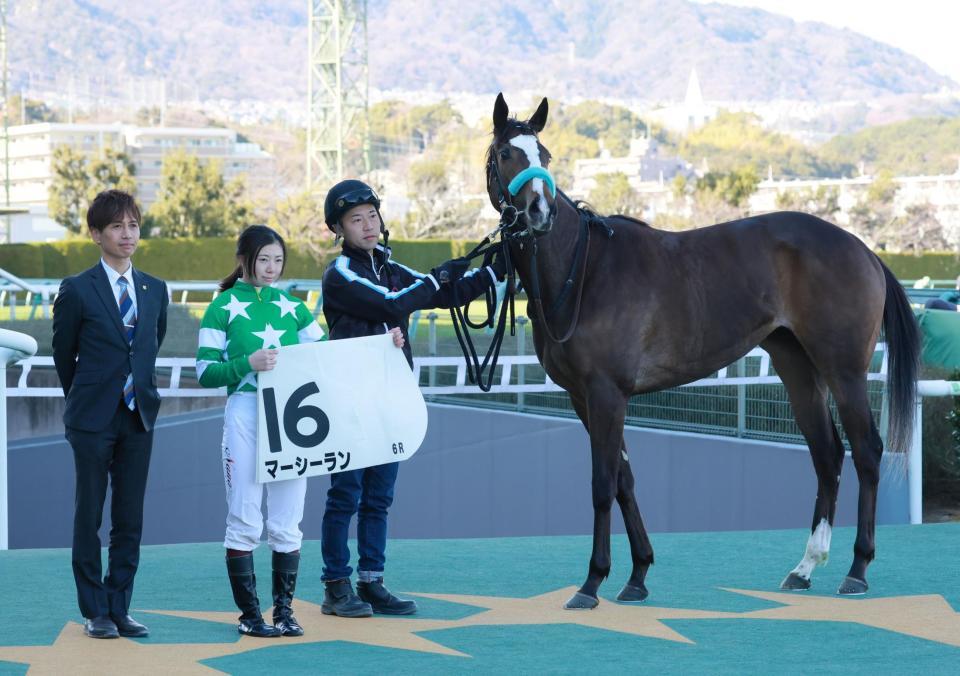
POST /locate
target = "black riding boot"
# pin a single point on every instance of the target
(244, 585)
(284, 584)
(382, 601)
(339, 599)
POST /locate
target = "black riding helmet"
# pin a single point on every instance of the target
(344, 196)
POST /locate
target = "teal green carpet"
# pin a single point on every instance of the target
(493, 606)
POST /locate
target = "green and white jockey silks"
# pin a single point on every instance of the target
(242, 320)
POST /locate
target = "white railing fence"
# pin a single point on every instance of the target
(515, 377)
(14, 346)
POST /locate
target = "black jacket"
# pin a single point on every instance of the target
(91, 352)
(367, 293)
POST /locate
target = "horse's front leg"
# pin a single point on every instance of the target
(606, 406)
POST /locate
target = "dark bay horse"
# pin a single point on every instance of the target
(625, 309)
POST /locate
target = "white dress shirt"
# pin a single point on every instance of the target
(113, 276)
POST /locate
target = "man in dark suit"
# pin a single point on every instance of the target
(108, 324)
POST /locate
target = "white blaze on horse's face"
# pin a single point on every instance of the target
(531, 147)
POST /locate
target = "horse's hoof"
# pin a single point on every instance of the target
(851, 586)
(581, 601)
(794, 582)
(632, 593)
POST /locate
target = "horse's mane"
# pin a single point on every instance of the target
(586, 208)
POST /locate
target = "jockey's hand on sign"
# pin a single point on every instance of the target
(397, 336)
(263, 360)
(451, 271)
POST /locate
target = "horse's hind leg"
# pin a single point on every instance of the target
(854, 406)
(605, 409)
(808, 398)
(641, 551)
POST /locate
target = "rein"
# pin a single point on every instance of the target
(482, 372)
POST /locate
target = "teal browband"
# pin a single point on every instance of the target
(530, 173)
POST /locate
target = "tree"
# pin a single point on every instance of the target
(823, 202)
(439, 210)
(195, 201)
(299, 218)
(738, 139)
(78, 178)
(613, 194)
(734, 187)
(873, 214)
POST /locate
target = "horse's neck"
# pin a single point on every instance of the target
(554, 254)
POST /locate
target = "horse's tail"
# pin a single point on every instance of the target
(902, 335)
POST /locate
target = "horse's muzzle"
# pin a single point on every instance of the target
(545, 224)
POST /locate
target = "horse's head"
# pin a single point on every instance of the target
(517, 174)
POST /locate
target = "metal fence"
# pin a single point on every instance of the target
(746, 399)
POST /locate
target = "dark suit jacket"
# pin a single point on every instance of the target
(91, 352)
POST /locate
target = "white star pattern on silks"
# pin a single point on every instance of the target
(286, 306)
(249, 379)
(270, 336)
(236, 308)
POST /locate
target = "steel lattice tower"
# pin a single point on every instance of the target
(337, 91)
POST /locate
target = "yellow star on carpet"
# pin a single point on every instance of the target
(929, 616)
(73, 652)
(639, 620)
(378, 630)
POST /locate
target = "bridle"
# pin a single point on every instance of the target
(511, 229)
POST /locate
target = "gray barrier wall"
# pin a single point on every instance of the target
(479, 473)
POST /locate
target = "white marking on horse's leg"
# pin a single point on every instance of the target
(818, 550)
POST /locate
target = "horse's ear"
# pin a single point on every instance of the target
(500, 112)
(539, 119)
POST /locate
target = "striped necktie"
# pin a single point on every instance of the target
(129, 316)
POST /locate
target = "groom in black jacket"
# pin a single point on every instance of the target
(108, 324)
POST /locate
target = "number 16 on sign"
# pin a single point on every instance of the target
(337, 406)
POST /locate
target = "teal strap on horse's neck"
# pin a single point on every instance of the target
(528, 174)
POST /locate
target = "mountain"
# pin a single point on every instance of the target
(643, 49)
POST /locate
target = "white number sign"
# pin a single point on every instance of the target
(337, 405)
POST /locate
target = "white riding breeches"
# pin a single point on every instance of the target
(244, 495)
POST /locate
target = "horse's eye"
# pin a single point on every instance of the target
(505, 154)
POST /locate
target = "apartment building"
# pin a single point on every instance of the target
(31, 150)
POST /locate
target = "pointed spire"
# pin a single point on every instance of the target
(694, 97)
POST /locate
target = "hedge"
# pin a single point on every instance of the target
(213, 258)
(935, 265)
(195, 259)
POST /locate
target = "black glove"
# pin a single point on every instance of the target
(499, 266)
(450, 271)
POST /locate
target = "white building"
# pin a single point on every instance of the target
(31, 163)
(643, 165)
(683, 117)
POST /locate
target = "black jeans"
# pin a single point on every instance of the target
(122, 453)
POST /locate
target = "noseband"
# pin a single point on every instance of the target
(510, 225)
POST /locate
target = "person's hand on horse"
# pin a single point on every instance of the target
(397, 336)
(499, 266)
(451, 270)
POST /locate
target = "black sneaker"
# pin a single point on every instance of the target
(339, 600)
(382, 601)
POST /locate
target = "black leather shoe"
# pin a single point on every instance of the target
(257, 627)
(129, 627)
(100, 627)
(382, 601)
(339, 600)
